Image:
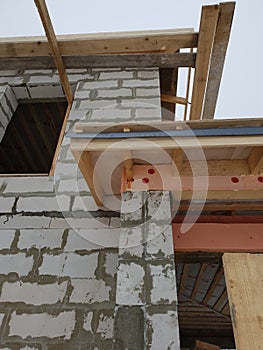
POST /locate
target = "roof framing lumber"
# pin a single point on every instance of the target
(105, 43)
(162, 60)
(255, 160)
(243, 275)
(50, 33)
(222, 34)
(207, 29)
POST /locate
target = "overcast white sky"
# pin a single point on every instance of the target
(240, 93)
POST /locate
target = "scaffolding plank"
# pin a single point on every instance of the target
(244, 281)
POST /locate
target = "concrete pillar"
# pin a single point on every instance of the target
(146, 299)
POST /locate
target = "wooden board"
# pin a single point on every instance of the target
(244, 280)
(222, 34)
(103, 43)
(207, 29)
(200, 345)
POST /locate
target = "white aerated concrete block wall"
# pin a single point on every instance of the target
(58, 252)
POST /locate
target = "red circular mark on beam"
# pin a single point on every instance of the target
(260, 179)
(235, 179)
(145, 180)
(151, 171)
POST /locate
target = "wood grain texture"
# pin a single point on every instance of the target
(50, 33)
(222, 34)
(205, 43)
(244, 280)
(255, 160)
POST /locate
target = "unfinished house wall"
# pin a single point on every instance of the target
(58, 252)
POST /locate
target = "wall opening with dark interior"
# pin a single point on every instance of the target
(203, 306)
(31, 137)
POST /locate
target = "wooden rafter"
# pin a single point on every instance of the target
(207, 29)
(255, 160)
(200, 345)
(50, 33)
(222, 34)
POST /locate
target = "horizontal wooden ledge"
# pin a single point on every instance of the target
(134, 42)
(161, 60)
(219, 237)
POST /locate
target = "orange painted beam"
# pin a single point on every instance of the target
(219, 237)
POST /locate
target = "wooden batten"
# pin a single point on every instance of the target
(200, 345)
(243, 275)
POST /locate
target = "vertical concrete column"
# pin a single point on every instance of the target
(146, 298)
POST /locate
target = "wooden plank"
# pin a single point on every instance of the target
(128, 164)
(168, 86)
(86, 166)
(205, 43)
(166, 60)
(169, 125)
(173, 99)
(218, 276)
(185, 273)
(199, 279)
(177, 165)
(200, 345)
(103, 43)
(50, 33)
(244, 281)
(222, 34)
(60, 139)
(255, 160)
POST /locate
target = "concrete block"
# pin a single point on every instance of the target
(44, 238)
(40, 204)
(116, 75)
(137, 83)
(132, 206)
(90, 239)
(11, 98)
(38, 71)
(42, 325)
(159, 207)
(130, 284)
(111, 263)
(148, 74)
(43, 79)
(12, 80)
(84, 203)
(19, 221)
(105, 326)
(45, 91)
(33, 293)
(143, 92)
(89, 291)
(63, 170)
(8, 73)
(6, 204)
(91, 85)
(74, 78)
(76, 70)
(21, 92)
(29, 185)
(79, 223)
(70, 185)
(163, 331)
(115, 222)
(98, 104)
(18, 263)
(6, 238)
(111, 114)
(1, 319)
(82, 94)
(148, 114)
(159, 241)
(2, 131)
(131, 243)
(70, 265)
(163, 284)
(137, 103)
(115, 93)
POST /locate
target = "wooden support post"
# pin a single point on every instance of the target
(244, 281)
(205, 42)
(222, 34)
(50, 33)
(255, 160)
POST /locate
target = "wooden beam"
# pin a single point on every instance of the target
(142, 60)
(214, 237)
(222, 34)
(86, 166)
(255, 160)
(173, 99)
(50, 33)
(103, 43)
(205, 43)
(200, 345)
(177, 165)
(244, 281)
(168, 86)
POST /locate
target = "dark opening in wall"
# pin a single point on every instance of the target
(31, 138)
